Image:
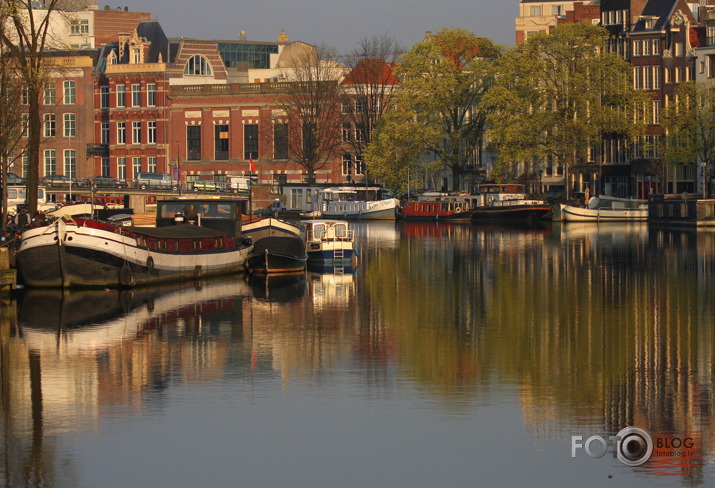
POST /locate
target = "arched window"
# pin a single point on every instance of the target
(197, 65)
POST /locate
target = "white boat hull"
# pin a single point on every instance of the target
(364, 210)
(66, 256)
(577, 214)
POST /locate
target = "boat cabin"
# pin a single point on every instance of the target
(223, 215)
(307, 198)
(325, 230)
(499, 192)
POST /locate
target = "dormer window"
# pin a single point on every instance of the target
(112, 58)
(198, 65)
(136, 55)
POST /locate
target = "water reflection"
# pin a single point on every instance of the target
(585, 329)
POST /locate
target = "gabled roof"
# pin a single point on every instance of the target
(152, 32)
(661, 11)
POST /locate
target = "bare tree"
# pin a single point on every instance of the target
(28, 34)
(311, 102)
(11, 119)
(367, 90)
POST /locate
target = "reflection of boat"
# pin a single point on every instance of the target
(279, 254)
(509, 203)
(90, 321)
(87, 253)
(606, 208)
(331, 285)
(279, 287)
(328, 241)
(354, 202)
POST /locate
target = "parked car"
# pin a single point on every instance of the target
(60, 180)
(13, 179)
(156, 181)
(106, 182)
(206, 185)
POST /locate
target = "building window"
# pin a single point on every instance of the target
(121, 96)
(637, 48)
(105, 133)
(136, 132)
(151, 164)
(25, 94)
(78, 27)
(25, 124)
(70, 125)
(535, 11)
(49, 125)
(250, 141)
(280, 140)
(151, 132)
(347, 164)
(557, 10)
(71, 163)
(151, 95)
(136, 166)
(105, 167)
(50, 161)
(221, 142)
(193, 142)
(121, 132)
(49, 96)
(197, 65)
(359, 165)
(346, 132)
(104, 97)
(136, 56)
(359, 134)
(70, 92)
(122, 168)
(656, 111)
(136, 95)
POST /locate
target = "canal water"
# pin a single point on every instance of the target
(451, 356)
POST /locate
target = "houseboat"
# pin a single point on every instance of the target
(193, 238)
(508, 203)
(328, 242)
(607, 209)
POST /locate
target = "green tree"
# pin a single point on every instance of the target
(689, 125)
(557, 95)
(437, 113)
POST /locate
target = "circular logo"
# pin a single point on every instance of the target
(634, 446)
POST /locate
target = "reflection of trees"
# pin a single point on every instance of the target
(605, 329)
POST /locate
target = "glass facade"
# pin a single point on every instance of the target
(256, 56)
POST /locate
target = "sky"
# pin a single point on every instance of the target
(341, 24)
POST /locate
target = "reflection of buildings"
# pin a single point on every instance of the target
(622, 335)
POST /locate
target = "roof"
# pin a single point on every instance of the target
(371, 71)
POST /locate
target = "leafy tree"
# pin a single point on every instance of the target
(311, 102)
(437, 111)
(689, 124)
(557, 95)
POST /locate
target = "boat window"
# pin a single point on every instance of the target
(319, 231)
(12, 193)
(340, 230)
(169, 210)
